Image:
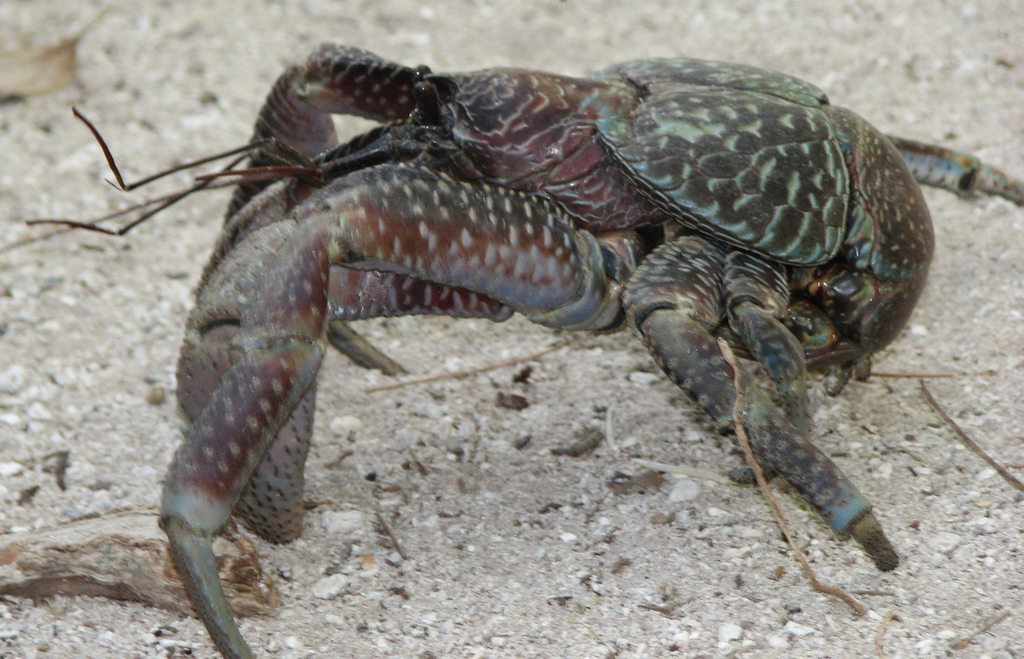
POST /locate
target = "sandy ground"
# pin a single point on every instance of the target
(511, 552)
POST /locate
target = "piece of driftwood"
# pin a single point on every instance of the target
(124, 556)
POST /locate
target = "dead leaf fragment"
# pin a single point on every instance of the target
(511, 401)
(586, 441)
(36, 71)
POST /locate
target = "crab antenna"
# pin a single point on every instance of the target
(269, 173)
(128, 187)
(155, 206)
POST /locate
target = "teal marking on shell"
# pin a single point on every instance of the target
(754, 159)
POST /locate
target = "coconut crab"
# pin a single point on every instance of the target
(688, 200)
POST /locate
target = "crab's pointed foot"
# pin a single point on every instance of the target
(193, 555)
(869, 534)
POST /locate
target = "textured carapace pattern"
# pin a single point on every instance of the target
(689, 200)
(761, 168)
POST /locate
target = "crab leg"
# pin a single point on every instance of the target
(297, 112)
(331, 80)
(957, 172)
(674, 303)
(257, 335)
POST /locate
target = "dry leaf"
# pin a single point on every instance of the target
(35, 71)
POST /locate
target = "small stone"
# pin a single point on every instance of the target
(343, 522)
(330, 587)
(568, 537)
(684, 490)
(993, 643)
(946, 634)
(944, 542)
(797, 629)
(333, 619)
(10, 468)
(156, 396)
(12, 419)
(729, 631)
(38, 412)
(293, 643)
(717, 512)
(427, 411)
(12, 381)
(985, 474)
(776, 641)
(642, 377)
(663, 518)
(344, 425)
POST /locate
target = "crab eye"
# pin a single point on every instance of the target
(421, 71)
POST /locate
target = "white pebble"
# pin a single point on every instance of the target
(729, 631)
(343, 425)
(330, 587)
(985, 474)
(10, 468)
(38, 412)
(993, 643)
(944, 542)
(568, 537)
(776, 641)
(343, 522)
(12, 381)
(642, 377)
(797, 629)
(293, 643)
(684, 490)
(13, 419)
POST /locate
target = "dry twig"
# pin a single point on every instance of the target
(462, 374)
(744, 441)
(881, 631)
(391, 534)
(968, 442)
(992, 622)
(934, 375)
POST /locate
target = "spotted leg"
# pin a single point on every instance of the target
(258, 333)
(957, 172)
(674, 301)
(297, 112)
